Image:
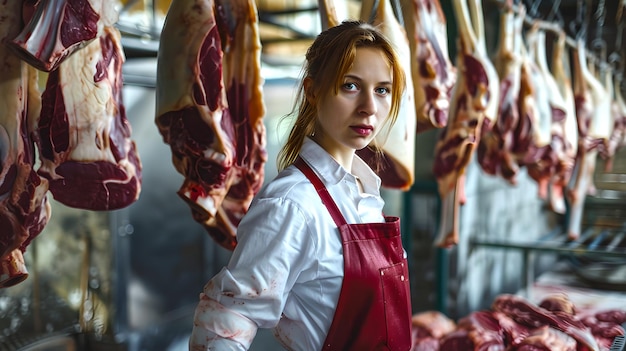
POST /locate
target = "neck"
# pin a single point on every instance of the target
(345, 160)
(343, 156)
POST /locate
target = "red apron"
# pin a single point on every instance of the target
(374, 308)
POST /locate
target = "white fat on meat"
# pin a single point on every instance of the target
(56, 30)
(83, 135)
(593, 112)
(24, 209)
(432, 71)
(495, 149)
(209, 109)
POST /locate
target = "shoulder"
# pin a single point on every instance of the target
(290, 185)
(288, 198)
(288, 205)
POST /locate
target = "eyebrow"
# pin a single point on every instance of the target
(359, 79)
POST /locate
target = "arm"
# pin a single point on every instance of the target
(273, 248)
(217, 328)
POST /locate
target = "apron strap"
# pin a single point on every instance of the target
(327, 200)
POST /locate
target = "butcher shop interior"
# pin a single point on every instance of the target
(518, 243)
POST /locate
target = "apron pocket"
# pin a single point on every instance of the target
(395, 286)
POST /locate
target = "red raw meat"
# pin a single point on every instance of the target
(494, 152)
(532, 316)
(24, 209)
(568, 128)
(432, 71)
(534, 149)
(546, 339)
(558, 303)
(210, 109)
(84, 137)
(57, 28)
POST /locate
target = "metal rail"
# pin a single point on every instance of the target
(561, 245)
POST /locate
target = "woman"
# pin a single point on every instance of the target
(298, 268)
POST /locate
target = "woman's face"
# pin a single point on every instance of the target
(351, 119)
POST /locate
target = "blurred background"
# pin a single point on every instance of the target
(129, 279)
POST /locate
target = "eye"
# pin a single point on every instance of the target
(383, 90)
(350, 86)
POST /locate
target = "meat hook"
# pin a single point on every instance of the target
(555, 13)
(599, 16)
(620, 30)
(578, 26)
(534, 8)
(395, 6)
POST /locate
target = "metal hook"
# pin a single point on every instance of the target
(601, 12)
(600, 15)
(554, 11)
(395, 7)
(620, 28)
(560, 20)
(599, 45)
(614, 59)
(598, 48)
(534, 8)
(578, 27)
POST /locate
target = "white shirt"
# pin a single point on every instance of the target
(287, 269)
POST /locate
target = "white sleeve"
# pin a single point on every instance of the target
(274, 247)
(230, 331)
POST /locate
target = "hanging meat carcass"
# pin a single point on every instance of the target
(84, 138)
(494, 152)
(568, 128)
(473, 106)
(536, 116)
(59, 28)
(618, 134)
(553, 165)
(432, 71)
(242, 78)
(399, 145)
(24, 209)
(209, 109)
(595, 121)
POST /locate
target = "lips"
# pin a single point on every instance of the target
(364, 130)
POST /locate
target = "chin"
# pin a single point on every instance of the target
(365, 143)
(359, 146)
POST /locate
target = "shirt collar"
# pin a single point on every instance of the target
(331, 172)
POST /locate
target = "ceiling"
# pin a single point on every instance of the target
(600, 23)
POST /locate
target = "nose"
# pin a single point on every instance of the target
(367, 104)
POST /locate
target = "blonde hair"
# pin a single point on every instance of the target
(328, 59)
